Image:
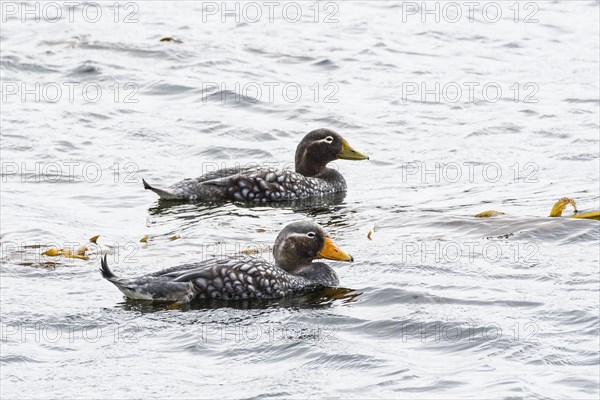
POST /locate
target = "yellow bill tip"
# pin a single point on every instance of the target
(348, 153)
(331, 252)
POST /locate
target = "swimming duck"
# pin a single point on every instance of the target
(243, 277)
(261, 185)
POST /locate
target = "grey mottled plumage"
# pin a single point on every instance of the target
(261, 185)
(243, 277)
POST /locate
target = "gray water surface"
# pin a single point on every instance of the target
(437, 304)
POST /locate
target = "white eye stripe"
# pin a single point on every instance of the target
(299, 235)
(328, 139)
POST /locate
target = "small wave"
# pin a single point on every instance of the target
(12, 63)
(582, 101)
(85, 70)
(326, 64)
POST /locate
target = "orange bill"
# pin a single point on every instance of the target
(331, 252)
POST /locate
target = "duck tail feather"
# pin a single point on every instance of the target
(106, 272)
(163, 194)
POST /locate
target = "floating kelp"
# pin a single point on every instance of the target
(375, 227)
(80, 253)
(170, 39)
(489, 214)
(556, 211)
(560, 206)
(595, 215)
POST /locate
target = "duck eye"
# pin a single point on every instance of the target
(329, 139)
(311, 234)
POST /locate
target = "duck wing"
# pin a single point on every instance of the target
(254, 184)
(261, 185)
(193, 189)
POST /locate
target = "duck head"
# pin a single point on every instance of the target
(320, 147)
(299, 243)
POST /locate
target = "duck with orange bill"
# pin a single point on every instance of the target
(244, 277)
